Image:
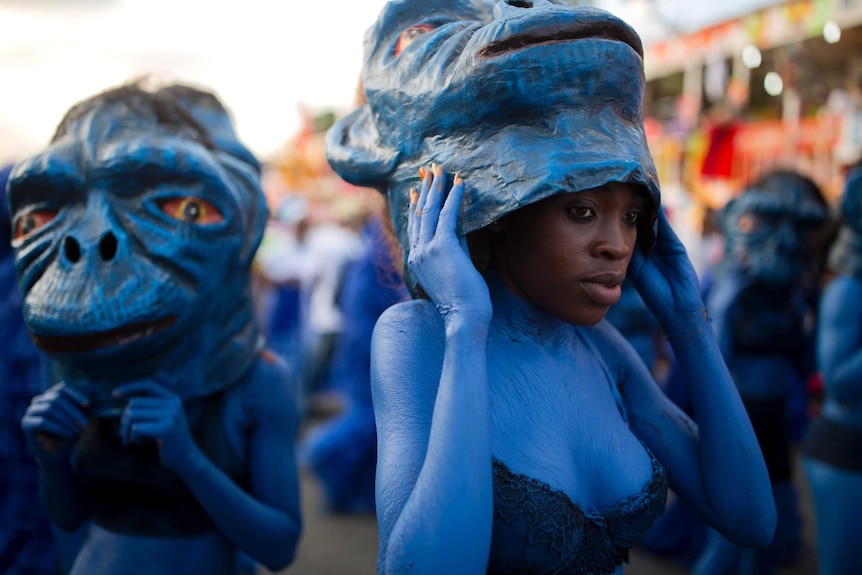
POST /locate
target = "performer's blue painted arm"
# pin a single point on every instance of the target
(434, 487)
(264, 523)
(839, 332)
(52, 423)
(716, 465)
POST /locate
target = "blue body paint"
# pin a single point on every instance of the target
(512, 420)
(762, 318)
(171, 430)
(26, 541)
(832, 449)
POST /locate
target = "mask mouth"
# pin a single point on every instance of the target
(88, 342)
(560, 34)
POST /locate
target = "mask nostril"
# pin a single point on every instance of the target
(520, 3)
(72, 249)
(108, 246)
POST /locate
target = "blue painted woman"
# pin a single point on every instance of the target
(518, 431)
(833, 447)
(760, 303)
(171, 429)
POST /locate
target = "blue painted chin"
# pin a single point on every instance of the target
(523, 103)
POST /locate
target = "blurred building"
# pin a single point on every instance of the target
(779, 86)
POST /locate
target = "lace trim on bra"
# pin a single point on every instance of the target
(586, 543)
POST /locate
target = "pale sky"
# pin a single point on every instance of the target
(264, 58)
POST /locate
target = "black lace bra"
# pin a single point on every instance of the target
(541, 531)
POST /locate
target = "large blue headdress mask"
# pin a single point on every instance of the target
(768, 226)
(133, 235)
(524, 99)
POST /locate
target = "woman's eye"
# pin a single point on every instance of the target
(30, 222)
(582, 212)
(192, 210)
(632, 218)
(409, 35)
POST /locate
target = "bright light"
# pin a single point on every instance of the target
(773, 84)
(831, 32)
(751, 56)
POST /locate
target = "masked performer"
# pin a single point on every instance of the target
(171, 429)
(759, 302)
(518, 431)
(833, 448)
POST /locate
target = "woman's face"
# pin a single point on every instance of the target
(568, 254)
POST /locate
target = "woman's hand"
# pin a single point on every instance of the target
(156, 414)
(439, 259)
(53, 422)
(667, 281)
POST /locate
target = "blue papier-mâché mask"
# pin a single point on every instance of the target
(524, 99)
(133, 234)
(767, 227)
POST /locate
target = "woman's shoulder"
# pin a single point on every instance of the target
(270, 384)
(410, 322)
(843, 286)
(407, 354)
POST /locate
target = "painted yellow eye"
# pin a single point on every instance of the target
(30, 222)
(748, 223)
(408, 36)
(192, 210)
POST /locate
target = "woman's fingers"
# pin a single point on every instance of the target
(448, 220)
(70, 411)
(432, 205)
(431, 212)
(427, 178)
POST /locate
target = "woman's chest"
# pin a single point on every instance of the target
(557, 418)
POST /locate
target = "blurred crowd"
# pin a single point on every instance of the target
(327, 268)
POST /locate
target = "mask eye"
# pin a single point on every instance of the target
(409, 35)
(193, 211)
(30, 222)
(749, 223)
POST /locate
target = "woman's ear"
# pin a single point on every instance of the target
(355, 152)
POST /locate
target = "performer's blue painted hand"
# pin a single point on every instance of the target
(154, 413)
(439, 259)
(666, 279)
(53, 422)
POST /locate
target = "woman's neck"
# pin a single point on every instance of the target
(519, 318)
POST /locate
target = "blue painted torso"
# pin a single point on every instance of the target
(173, 542)
(561, 445)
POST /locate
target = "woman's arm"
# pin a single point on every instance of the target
(839, 340)
(431, 400)
(716, 465)
(265, 522)
(434, 486)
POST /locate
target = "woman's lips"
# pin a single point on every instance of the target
(604, 289)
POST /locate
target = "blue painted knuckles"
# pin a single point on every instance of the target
(133, 233)
(767, 227)
(550, 92)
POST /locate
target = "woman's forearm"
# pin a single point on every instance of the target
(267, 534)
(736, 482)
